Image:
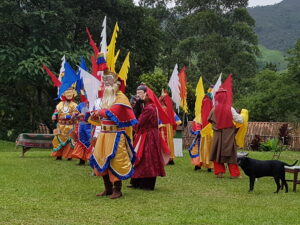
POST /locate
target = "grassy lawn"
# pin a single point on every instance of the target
(39, 190)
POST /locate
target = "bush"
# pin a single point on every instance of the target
(272, 145)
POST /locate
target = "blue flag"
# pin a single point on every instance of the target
(68, 79)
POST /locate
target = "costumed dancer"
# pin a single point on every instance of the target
(201, 146)
(82, 150)
(64, 114)
(113, 154)
(224, 146)
(151, 151)
(168, 130)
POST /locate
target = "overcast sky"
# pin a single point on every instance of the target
(252, 3)
(262, 2)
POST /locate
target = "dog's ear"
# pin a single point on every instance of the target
(241, 160)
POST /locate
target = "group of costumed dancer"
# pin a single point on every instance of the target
(104, 135)
(221, 131)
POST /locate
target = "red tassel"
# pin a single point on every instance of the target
(92, 43)
(54, 79)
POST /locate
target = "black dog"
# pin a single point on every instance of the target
(254, 168)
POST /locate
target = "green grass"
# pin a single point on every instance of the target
(37, 189)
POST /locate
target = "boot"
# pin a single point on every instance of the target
(134, 183)
(171, 162)
(108, 187)
(117, 190)
(197, 168)
(58, 158)
(81, 162)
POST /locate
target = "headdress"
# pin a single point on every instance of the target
(110, 73)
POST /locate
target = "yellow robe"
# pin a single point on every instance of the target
(113, 150)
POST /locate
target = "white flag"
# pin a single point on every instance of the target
(91, 86)
(216, 87)
(174, 86)
(103, 44)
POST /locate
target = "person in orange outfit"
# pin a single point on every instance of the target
(63, 142)
(113, 155)
(224, 147)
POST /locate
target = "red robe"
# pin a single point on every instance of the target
(148, 145)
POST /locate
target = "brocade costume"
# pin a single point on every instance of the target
(63, 143)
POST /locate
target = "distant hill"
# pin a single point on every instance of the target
(271, 56)
(278, 26)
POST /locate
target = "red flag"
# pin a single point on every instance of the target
(166, 99)
(227, 85)
(54, 79)
(92, 43)
(94, 67)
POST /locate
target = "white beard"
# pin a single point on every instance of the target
(109, 96)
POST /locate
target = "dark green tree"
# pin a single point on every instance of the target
(41, 32)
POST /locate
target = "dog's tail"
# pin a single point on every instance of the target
(292, 164)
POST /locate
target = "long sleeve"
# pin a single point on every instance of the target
(148, 117)
(236, 117)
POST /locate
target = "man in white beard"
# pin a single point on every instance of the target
(113, 155)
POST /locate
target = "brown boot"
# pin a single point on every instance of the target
(117, 190)
(108, 187)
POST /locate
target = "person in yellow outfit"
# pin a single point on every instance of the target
(63, 143)
(113, 155)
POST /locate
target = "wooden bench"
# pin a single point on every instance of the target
(31, 140)
(295, 170)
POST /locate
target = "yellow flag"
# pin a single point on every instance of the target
(110, 56)
(199, 97)
(124, 69)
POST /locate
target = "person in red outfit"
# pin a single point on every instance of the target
(224, 147)
(152, 152)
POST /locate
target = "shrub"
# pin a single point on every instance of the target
(272, 145)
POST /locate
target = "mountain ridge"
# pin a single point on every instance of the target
(277, 26)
